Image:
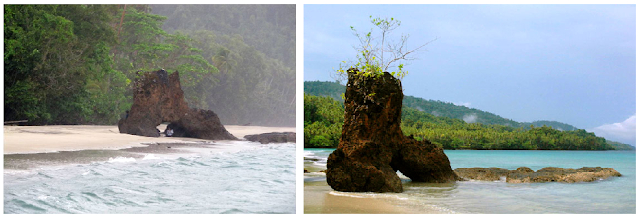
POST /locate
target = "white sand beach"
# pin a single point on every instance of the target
(41, 139)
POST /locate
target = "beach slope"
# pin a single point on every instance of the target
(42, 139)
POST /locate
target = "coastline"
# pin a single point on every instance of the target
(46, 139)
(319, 198)
(183, 176)
(487, 197)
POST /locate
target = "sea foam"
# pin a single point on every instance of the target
(121, 159)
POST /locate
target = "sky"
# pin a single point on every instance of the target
(574, 64)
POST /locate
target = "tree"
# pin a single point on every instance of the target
(371, 51)
(52, 52)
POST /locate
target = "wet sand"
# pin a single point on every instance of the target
(241, 131)
(27, 147)
(43, 139)
(319, 198)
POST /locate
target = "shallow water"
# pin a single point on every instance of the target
(613, 195)
(255, 179)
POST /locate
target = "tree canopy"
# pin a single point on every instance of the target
(73, 64)
(324, 117)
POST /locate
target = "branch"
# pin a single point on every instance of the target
(403, 56)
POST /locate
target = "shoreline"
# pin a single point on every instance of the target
(496, 149)
(487, 197)
(56, 138)
(319, 198)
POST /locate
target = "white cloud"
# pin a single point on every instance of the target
(624, 131)
(466, 104)
(470, 118)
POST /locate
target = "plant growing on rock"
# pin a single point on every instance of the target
(375, 55)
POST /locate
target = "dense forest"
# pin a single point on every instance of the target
(437, 108)
(253, 46)
(324, 119)
(74, 64)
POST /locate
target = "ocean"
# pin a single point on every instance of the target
(616, 195)
(229, 177)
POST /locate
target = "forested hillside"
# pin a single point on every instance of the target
(324, 117)
(437, 108)
(73, 64)
(253, 46)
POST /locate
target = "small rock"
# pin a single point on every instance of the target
(273, 137)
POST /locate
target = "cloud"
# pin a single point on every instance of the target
(624, 131)
(466, 104)
(470, 118)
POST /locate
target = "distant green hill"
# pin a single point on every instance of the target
(437, 108)
(331, 89)
(621, 146)
(324, 118)
(449, 125)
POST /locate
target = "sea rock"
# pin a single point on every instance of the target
(548, 174)
(311, 159)
(157, 98)
(487, 174)
(273, 137)
(372, 147)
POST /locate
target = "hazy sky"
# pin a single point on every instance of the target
(568, 63)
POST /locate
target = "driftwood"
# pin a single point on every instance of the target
(15, 122)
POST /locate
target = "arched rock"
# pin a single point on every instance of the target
(158, 98)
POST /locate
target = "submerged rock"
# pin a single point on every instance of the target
(372, 147)
(157, 98)
(273, 137)
(548, 174)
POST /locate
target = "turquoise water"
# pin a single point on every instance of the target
(614, 195)
(260, 179)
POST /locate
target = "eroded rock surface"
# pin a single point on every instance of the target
(273, 137)
(157, 98)
(372, 147)
(548, 174)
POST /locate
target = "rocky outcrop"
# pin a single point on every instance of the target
(273, 137)
(527, 175)
(372, 147)
(158, 98)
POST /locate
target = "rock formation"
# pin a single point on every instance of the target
(158, 98)
(273, 137)
(527, 175)
(372, 147)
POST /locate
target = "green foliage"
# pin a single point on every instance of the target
(621, 146)
(73, 64)
(324, 119)
(319, 88)
(437, 108)
(252, 46)
(50, 54)
(269, 29)
(371, 60)
(66, 64)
